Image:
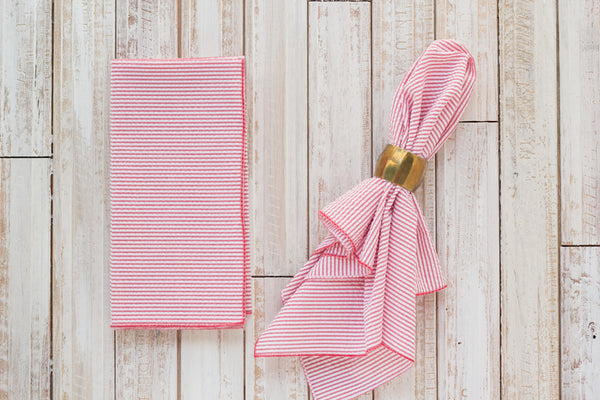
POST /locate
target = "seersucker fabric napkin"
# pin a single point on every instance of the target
(178, 194)
(349, 313)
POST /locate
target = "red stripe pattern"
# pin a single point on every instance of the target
(349, 313)
(178, 191)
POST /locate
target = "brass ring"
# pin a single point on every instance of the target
(401, 167)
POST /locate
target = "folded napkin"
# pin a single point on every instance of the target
(178, 192)
(350, 311)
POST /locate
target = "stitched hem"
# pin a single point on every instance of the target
(225, 325)
(432, 291)
(303, 354)
(244, 201)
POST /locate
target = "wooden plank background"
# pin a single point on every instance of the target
(512, 200)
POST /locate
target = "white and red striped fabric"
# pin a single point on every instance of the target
(350, 311)
(178, 191)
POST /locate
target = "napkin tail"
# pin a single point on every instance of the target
(344, 378)
(337, 304)
(322, 318)
(337, 307)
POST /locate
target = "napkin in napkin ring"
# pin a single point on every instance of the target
(350, 313)
(401, 167)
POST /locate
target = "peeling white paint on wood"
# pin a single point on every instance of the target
(579, 50)
(529, 242)
(468, 247)
(82, 341)
(24, 279)
(339, 111)
(25, 77)
(580, 322)
(475, 24)
(211, 28)
(276, 96)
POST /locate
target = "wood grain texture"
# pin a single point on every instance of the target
(475, 24)
(579, 49)
(211, 361)
(212, 364)
(468, 247)
(147, 29)
(83, 343)
(25, 77)
(212, 28)
(25, 279)
(366, 396)
(580, 320)
(529, 200)
(276, 40)
(146, 361)
(146, 365)
(339, 104)
(402, 30)
(270, 377)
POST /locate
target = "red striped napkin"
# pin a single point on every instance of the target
(178, 192)
(350, 311)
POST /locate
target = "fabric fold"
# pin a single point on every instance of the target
(349, 313)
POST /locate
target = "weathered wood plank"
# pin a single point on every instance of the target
(402, 29)
(25, 78)
(270, 377)
(366, 396)
(468, 242)
(276, 40)
(579, 40)
(83, 343)
(212, 361)
(25, 279)
(212, 364)
(146, 361)
(425, 370)
(146, 366)
(475, 24)
(212, 28)
(147, 29)
(529, 201)
(339, 104)
(580, 313)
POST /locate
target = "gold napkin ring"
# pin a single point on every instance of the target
(401, 167)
